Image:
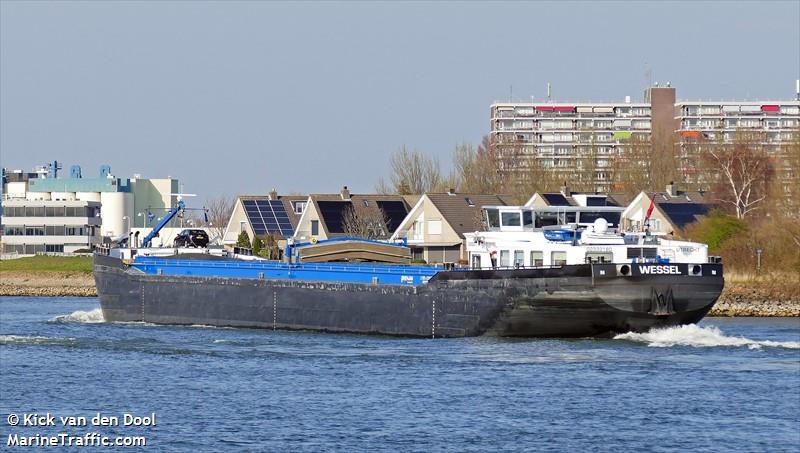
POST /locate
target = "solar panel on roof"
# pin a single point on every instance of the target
(555, 199)
(395, 213)
(333, 213)
(682, 214)
(268, 217)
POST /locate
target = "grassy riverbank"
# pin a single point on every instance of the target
(77, 264)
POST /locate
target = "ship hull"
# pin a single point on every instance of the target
(570, 301)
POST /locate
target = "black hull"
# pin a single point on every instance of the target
(572, 301)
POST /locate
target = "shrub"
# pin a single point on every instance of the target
(258, 245)
(716, 229)
(243, 240)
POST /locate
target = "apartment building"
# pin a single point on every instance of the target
(563, 135)
(768, 124)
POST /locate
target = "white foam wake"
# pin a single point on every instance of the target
(693, 335)
(30, 339)
(85, 317)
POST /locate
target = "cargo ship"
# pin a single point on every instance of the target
(533, 272)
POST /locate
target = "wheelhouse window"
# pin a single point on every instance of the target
(558, 258)
(527, 220)
(493, 218)
(544, 219)
(510, 219)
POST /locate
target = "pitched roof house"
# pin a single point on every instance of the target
(673, 210)
(324, 214)
(264, 214)
(435, 226)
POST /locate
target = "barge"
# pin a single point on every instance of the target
(532, 273)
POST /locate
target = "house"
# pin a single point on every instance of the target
(673, 210)
(264, 214)
(435, 226)
(324, 216)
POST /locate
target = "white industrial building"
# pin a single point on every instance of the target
(117, 205)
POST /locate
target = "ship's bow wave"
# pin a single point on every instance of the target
(83, 317)
(694, 335)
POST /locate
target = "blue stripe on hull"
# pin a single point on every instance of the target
(329, 272)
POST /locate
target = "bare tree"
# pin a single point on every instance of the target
(743, 172)
(365, 223)
(477, 170)
(219, 212)
(413, 172)
(632, 166)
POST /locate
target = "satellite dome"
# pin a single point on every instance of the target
(600, 225)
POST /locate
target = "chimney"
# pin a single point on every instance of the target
(273, 194)
(451, 191)
(565, 190)
(345, 193)
(672, 189)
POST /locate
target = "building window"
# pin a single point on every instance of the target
(74, 231)
(434, 227)
(314, 227)
(54, 248)
(299, 207)
(34, 231)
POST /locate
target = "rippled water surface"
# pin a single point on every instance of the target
(724, 385)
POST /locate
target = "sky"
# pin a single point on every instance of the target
(305, 97)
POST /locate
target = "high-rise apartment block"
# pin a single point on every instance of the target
(560, 135)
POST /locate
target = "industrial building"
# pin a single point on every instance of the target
(43, 212)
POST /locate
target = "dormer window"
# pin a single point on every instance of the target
(299, 207)
(469, 201)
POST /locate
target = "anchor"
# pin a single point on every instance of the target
(661, 304)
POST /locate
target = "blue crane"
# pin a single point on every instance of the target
(167, 217)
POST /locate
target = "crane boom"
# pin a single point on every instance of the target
(169, 215)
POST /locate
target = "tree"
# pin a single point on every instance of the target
(476, 170)
(743, 172)
(271, 250)
(218, 213)
(258, 244)
(365, 223)
(631, 170)
(412, 172)
(243, 240)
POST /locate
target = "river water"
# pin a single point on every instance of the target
(724, 385)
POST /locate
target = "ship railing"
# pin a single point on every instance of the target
(388, 269)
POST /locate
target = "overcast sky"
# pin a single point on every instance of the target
(306, 97)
